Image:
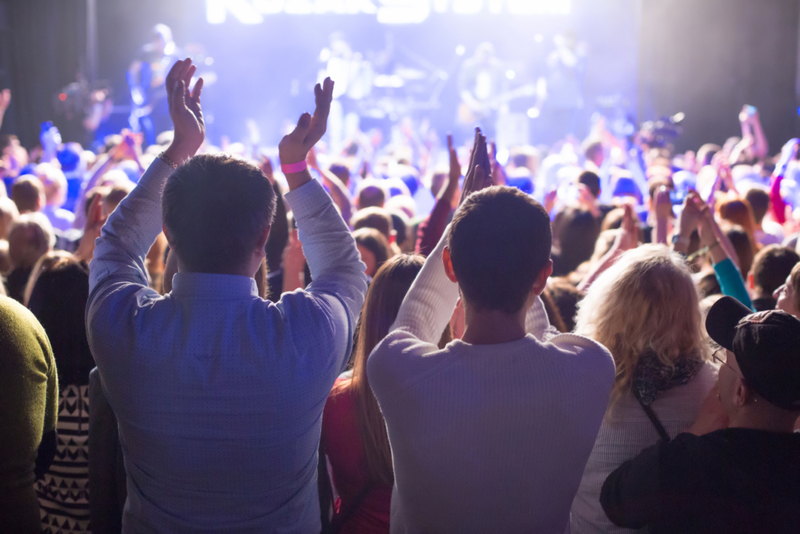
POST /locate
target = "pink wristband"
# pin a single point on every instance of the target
(291, 168)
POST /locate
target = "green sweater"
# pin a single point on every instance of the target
(28, 407)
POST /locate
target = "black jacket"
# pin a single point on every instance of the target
(730, 481)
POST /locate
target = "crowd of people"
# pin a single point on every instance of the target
(410, 336)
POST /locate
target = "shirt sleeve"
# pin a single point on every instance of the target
(423, 316)
(128, 234)
(731, 283)
(631, 495)
(429, 303)
(339, 282)
(432, 229)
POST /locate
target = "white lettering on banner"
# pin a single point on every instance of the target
(387, 11)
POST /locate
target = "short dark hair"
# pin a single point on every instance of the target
(759, 201)
(215, 210)
(374, 217)
(592, 181)
(499, 242)
(771, 266)
(26, 192)
(374, 241)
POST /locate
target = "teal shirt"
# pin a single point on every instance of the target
(731, 282)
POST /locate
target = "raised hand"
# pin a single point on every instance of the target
(5, 99)
(628, 237)
(448, 192)
(294, 147)
(185, 112)
(479, 171)
(94, 224)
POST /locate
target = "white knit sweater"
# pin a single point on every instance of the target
(624, 433)
(485, 438)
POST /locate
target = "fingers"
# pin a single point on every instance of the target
(198, 88)
(450, 143)
(178, 97)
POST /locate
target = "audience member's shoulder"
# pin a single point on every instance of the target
(585, 353)
(20, 331)
(16, 319)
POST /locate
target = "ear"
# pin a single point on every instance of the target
(741, 394)
(541, 278)
(262, 241)
(166, 234)
(448, 265)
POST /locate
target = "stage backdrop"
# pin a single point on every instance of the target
(646, 57)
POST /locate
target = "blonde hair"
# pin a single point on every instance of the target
(646, 302)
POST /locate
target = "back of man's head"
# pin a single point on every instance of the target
(371, 193)
(30, 237)
(377, 218)
(759, 201)
(590, 180)
(770, 268)
(27, 193)
(499, 242)
(216, 209)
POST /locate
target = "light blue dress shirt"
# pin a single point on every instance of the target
(219, 394)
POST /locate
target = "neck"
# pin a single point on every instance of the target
(493, 327)
(768, 420)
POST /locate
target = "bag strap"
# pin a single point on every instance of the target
(662, 432)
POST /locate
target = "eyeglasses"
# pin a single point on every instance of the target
(725, 361)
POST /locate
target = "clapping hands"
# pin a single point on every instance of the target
(310, 128)
(185, 111)
(479, 170)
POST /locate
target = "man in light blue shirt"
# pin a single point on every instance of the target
(219, 394)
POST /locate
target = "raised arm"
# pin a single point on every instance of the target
(336, 269)
(131, 229)
(788, 153)
(432, 229)
(430, 301)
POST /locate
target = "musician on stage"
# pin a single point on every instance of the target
(146, 78)
(480, 81)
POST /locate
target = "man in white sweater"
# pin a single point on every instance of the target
(491, 433)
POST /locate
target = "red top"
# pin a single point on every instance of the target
(348, 464)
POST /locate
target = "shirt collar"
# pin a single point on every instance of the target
(213, 286)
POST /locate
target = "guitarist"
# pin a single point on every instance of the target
(480, 81)
(146, 78)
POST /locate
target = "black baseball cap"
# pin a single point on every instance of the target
(766, 346)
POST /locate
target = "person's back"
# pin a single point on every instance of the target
(499, 436)
(627, 430)
(645, 309)
(229, 408)
(28, 413)
(217, 392)
(491, 433)
(736, 470)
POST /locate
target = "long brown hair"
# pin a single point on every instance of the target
(386, 293)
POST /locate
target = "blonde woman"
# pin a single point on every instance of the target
(645, 310)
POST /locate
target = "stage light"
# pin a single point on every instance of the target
(539, 7)
(467, 7)
(510, 74)
(216, 11)
(62, 97)
(404, 11)
(534, 113)
(461, 50)
(538, 37)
